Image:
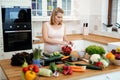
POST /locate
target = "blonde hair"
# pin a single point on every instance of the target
(54, 13)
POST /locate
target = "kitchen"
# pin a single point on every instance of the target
(87, 12)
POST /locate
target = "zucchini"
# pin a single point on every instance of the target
(90, 66)
(52, 59)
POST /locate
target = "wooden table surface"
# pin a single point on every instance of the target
(14, 73)
(91, 37)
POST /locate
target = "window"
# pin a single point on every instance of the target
(37, 7)
(66, 5)
(51, 4)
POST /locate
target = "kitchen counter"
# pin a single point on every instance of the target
(14, 72)
(91, 37)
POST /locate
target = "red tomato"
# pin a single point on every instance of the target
(36, 68)
(30, 67)
(25, 69)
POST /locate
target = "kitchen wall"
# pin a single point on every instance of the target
(92, 11)
(72, 26)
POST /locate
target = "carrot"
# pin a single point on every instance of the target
(78, 70)
(65, 57)
(76, 67)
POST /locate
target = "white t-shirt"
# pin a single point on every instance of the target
(56, 34)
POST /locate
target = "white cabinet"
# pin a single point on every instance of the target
(108, 76)
(41, 9)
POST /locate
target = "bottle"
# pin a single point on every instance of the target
(85, 29)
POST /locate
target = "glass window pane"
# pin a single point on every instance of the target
(33, 13)
(49, 13)
(39, 13)
(51, 4)
(64, 4)
(68, 4)
(54, 4)
(33, 5)
(39, 5)
(65, 12)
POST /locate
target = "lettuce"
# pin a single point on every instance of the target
(93, 49)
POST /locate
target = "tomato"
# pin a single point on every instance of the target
(25, 69)
(36, 68)
(99, 64)
(30, 67)
(66, 50)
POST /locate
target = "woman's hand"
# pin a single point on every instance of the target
(70, 43)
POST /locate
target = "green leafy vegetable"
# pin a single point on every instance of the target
(93, 49)
(37, 53)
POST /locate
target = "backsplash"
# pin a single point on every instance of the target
(72, 27)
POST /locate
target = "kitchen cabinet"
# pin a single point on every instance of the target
(41, 9)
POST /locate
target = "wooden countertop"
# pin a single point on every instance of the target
(14, 73)
(91, 37)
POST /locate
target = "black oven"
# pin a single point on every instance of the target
(17, 31)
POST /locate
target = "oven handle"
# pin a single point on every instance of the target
(18, 31)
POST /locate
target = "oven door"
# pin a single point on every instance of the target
(17, 40)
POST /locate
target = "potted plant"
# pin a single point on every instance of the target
(36, 56)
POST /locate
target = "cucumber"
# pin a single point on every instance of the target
(90, 66)
(45, 72)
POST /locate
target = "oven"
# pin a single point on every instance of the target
(17, 31)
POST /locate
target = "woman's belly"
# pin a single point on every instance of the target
(51, 48)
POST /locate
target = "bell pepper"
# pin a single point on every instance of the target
(30, 75)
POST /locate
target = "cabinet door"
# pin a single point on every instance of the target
(66, 6)
(51, 4)
(37, 8)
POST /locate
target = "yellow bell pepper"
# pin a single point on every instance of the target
(30, 75)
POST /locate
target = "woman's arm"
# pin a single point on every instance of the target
(47, 39)
(65, 37)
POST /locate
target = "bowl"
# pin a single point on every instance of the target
(115, 62)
